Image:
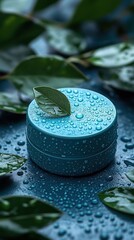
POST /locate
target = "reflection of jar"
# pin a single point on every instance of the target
(75, 145)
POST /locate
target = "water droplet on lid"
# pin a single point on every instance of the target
(76, 104)
(69, 90)
(95, 97)
(75, 91)
(80, 99)
(98, 128)
(79, 115)
(88, 93)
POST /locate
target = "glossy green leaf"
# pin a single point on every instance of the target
(93, 10)
(52, 101)
(119, 198)
(9, 58)
(120, 78)
(8, 103)
(10, 163)
(65, 41)
(51, 71)
(130, 175)
(17, 29)
(40, 5)
(21, 215)
(117, 55)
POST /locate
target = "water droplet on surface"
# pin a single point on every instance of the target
(21, 143)
(129, 145)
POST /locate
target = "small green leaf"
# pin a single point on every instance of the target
(93, 10)
(52, 101)
(9, 163)
(120, 78)
(23, 215)
(51, 71)
(65, 41)
(17, 29)
(119, 198)
(8, 103)
(130, 175)
(117, 55)
(10, 58)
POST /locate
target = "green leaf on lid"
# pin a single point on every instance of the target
(51, 71)
(10, 163)
(93, 10)
(119, 198)
(23, 215)
(65, 41)
(130, 175)
(120, 78)
(8, 103)
(117, 55)
(52, 101)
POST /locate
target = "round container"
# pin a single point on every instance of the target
(75, 145)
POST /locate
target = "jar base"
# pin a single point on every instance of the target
(72, 167)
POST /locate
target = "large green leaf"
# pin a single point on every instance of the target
(93, 10)
(51, 71)
(21, 215)
(120, 78)
(65, 41)
(9, 103)
(9, 58)
(52, 101)
(117, 55)
(119, 198)
(18, 29)
(10, 163)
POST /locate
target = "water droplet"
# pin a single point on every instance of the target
(125, 139)
(80, 99)
(129, 145)
(98, 128)
(79, 115)
(95, 97)
(21, 143)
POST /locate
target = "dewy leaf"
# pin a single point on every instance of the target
(51, 71)
(65, 41)
(9, 58)
(52, 101)
(10, 163)
(117, 55)
(119, 198)
(120, 78)
(93, 10)
(130, 175)
(18, 29)
(8, 103)
(20, 215)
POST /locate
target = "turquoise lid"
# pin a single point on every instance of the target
(91, 127)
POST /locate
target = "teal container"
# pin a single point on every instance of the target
(75, 145)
